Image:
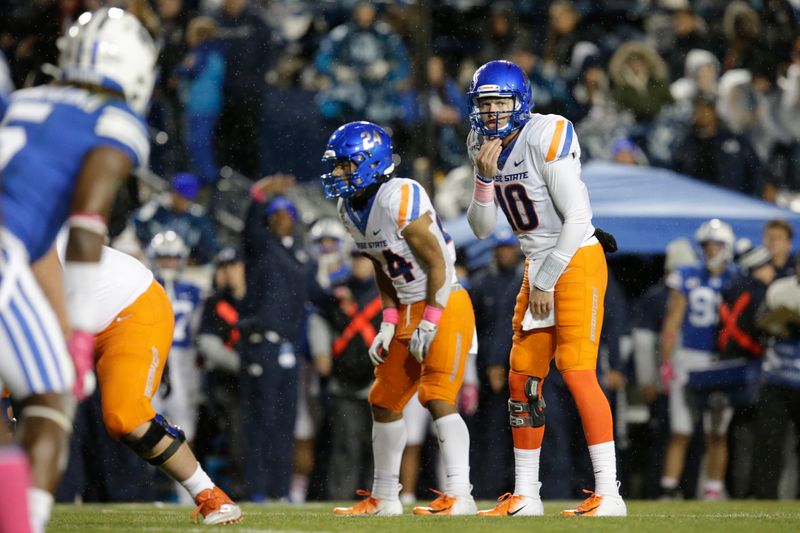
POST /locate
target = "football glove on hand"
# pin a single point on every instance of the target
(81, 348)
(421, 340)
(380, 346)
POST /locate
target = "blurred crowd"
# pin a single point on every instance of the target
(274, 312)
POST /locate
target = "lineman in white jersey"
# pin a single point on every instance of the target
(529, 165)
(428, 321)
(133, 328)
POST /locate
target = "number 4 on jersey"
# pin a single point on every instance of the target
(398, 266)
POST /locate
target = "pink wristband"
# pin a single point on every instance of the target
(484, 191)
(432, 314)
(391, 315)
(258, 194)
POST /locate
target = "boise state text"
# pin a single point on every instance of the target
(371, 245)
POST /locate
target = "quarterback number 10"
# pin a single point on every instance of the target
(518, 208)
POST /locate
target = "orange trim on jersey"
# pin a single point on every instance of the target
(404, 192)
(551, 153)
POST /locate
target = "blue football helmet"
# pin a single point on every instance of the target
(500, 79)
(366, 145)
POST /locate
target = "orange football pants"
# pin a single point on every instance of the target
(441, 374)
(130, 356)
(574, 340)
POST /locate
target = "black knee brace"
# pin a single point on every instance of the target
(530, 413)
(159, 428)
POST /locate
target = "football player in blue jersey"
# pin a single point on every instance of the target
(688, 342)
(64, 150)
(168, 255)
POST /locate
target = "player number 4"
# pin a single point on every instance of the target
(398, 266)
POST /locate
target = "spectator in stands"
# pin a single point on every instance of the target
(779, 395)
(777, 238)
(245, 39)
(272, 317)
(179, 213)
(202, 76)
(640, 80)
(690, 33)
(551, 92)
(165, 110)
(563, 32)
(711, 153)
(494, 292)
(744, 47)
(790, 97)
(447, 107)
(505, 33)
(366, 68)
(746, 112)
(340, 332)
(700, 77)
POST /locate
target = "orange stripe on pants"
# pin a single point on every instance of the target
(131, 353)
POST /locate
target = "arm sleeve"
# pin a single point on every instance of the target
(482, 216)
(571, 199)
(320, 336)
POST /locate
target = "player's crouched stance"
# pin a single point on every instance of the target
(427, 323)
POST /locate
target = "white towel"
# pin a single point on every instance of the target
(528, 322)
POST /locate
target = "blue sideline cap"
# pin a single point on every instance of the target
(280, 203)
(185, 184)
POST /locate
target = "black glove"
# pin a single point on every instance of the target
(607, 241)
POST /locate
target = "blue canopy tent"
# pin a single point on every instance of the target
(646, 207)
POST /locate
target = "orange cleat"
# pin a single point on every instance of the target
(445, 504)
(515, 505)
(596, 505)
(370, 506)
(216, 508)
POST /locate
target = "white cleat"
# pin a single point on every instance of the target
(596, 505)
(515, 505)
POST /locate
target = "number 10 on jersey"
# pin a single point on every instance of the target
(517, 206)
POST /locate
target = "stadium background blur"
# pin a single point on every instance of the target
(249, 89)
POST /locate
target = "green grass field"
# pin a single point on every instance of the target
(661, 517)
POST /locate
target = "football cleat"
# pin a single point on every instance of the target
(216, 508)
(596, 505)
(515, 505)
(370, 506)
(445, 504)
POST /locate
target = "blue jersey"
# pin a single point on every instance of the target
(185, 298)
(44, 137)
(703, 295)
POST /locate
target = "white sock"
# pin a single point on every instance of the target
(298, 488)
(454, 447)
(197, 482)
(526, 472)
(40, 503)
(716, 485)
(388, 443)
(669, 483)
(604, 463)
